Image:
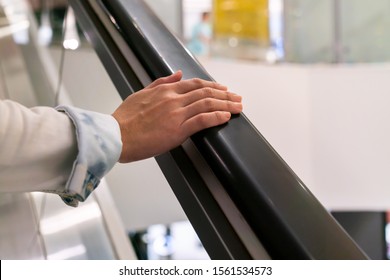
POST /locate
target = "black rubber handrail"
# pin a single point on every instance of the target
(288, 220)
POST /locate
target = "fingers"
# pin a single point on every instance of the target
(175, 77)
(160, 118)
(205, 120)
(211, 111)
(187, 86)
(205, 93)
(209, 105)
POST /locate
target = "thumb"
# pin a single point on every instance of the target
(175, 77)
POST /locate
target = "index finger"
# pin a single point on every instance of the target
(185, 86)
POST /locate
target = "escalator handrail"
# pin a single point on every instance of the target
(284, 214)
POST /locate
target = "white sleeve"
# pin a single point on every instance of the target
(42, 149)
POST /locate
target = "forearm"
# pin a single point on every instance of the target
(64, 153)
(38, 147)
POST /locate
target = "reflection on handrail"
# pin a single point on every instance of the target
(283, 214)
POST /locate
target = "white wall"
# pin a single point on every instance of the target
(330, 123)
(351, 135)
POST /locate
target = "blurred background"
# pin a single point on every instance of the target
(314, 77)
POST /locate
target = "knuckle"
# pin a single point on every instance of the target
(220, 117)
(160, 80)
(209, 104)
(163, 87)
(197, 81)
(207, 92)
(175, 116)
(229, 105)
(203, 120)
(215, 84)
(170, 102)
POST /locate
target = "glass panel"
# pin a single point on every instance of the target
(30, 76)
(19, 238)
(365, 30)
(309, 31)
(74, 234)
(338, 31)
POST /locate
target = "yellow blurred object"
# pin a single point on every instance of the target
(242, 19)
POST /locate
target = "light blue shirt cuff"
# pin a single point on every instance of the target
(99, 148)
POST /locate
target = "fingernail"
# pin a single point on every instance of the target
(227, 115)
(236, 97)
